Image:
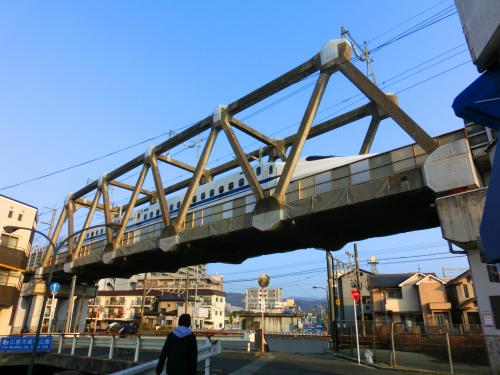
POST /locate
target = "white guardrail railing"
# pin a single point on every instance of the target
(206, 349)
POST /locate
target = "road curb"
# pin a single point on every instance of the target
(386, 367)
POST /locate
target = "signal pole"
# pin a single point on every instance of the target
(358, 287)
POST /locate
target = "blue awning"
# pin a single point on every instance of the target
(480, 101)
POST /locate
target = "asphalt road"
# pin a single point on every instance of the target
(238, 363)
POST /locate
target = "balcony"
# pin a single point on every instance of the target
(12, 257)
(10, 287)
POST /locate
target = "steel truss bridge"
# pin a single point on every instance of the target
(384, 194)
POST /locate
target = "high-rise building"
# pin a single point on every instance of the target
(253, 298)
(14, 252)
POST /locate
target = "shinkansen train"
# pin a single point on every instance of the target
(215, 200)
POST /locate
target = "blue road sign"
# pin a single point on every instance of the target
(54, 287)
(25, 344)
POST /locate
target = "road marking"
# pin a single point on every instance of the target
(254, 366)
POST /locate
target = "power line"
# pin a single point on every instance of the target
(406, 21)
(422, 25)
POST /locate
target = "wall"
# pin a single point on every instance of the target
(409, 302)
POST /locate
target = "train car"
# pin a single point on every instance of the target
(222, 198)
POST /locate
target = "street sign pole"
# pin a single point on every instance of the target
(54, 288)
(355, 297)
(52, 309)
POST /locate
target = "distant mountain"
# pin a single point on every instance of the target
(307, 304)
(236, 299)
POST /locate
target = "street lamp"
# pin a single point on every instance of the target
(263, 281)
(11, 229)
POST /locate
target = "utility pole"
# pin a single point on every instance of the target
(358, 287)
(143, 297)
(331, 303)
(335, 308)
(187, 290)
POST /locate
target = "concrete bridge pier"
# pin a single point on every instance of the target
(460, 217)
(31, 300)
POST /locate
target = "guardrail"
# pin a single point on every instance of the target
(137, 344)
(205, 352)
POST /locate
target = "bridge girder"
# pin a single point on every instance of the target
(380, 106)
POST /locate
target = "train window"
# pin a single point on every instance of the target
(212, 192)
(157, 212)
(270, 169)
(179, 204)
(92, 234)
(221, 189)
(171, 207)
(241, 182)
(203, 195)
(151, 214)
(230, 186)
(195, 198)
(102, 230)
(258, 171)
(138, 215)
(87, 235)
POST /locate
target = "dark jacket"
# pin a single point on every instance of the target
(182, 351)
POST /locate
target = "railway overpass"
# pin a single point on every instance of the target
(383, 194)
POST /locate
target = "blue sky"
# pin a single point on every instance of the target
(80, 80)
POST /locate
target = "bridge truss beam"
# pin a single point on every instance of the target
(337, 59)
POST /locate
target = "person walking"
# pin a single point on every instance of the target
(181, 349)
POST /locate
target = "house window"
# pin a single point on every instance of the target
(11, 213)
(394, 293)
(20, 217)
(203, 195)
(258, 171)
(493, 273)
(241, 182)
(9, 241)
(466, 290)
(221, 189)
(230, 186)
(212, 192)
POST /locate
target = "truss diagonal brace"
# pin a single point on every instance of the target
(86, 203)
(107, 210)
(195, 179)
(301, 136)
(55, 235)
(370, 135)
(242, 158)
(376, 95)
(160, 192)
(131, 188)
(88, 219)
(133, 199)
(251, 132)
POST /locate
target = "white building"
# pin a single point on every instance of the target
(253, 298)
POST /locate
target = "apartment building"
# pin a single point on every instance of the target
(410, 298)
(206, 307)
(14, 252)
(253, 298)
